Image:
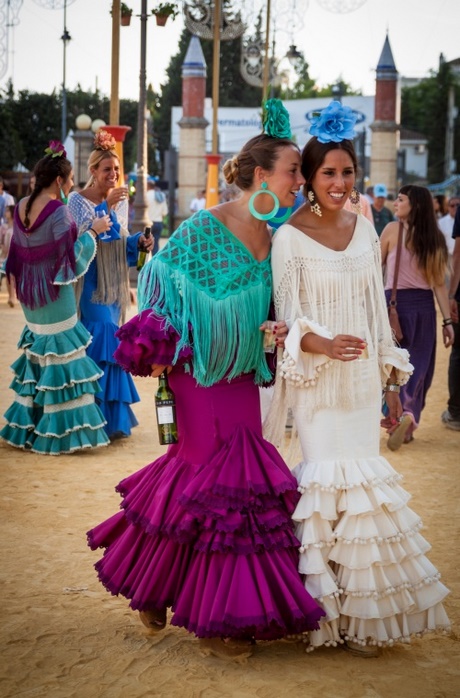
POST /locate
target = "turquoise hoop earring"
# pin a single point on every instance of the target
(276, 204)
(283, 218)
(63, 196)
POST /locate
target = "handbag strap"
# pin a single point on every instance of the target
(398, 258)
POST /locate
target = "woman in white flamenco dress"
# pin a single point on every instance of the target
(362, 552)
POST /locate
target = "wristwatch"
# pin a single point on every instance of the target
(392, 388)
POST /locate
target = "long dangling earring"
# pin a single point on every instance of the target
(276, 204)
(355, 201)
(62, 195)
(314, 207)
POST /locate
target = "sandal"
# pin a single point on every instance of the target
(396, 438)
(154, 620)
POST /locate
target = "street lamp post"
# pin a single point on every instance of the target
(209, 19)
(140, 201)
(266, 72)
(65, 40)
(115, 72)
(213, 158)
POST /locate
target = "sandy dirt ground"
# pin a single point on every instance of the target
(63, 636)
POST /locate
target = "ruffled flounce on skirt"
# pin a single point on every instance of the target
(117, 389)
(55, 382)
(363, 556)
(213, 540)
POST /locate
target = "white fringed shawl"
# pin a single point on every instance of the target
(320, 290)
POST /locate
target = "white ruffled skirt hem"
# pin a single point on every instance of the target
(363, 555)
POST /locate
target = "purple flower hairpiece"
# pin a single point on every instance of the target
(55, 149)
(334, 123)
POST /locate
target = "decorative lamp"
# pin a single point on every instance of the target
(97, 124)
(83, 122)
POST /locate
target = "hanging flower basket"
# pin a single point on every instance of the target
(161, 20)
(165, 10)
(125, 14)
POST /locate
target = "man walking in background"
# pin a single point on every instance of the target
(158, 209)
(380, 213)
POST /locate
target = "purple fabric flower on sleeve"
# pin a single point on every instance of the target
(334, 123)
(145, 340)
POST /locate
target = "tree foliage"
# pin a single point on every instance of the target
(424, 109)
(29, 120)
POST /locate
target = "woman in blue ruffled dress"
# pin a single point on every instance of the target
(104, 294)
(55, 382)
(206, 528)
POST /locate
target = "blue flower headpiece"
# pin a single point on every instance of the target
(334, 123)
(275, 119)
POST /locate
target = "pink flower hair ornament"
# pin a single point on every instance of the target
(104, 141)
(56, 149)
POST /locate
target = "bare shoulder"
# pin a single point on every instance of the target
(390, 231)
(23, 203)
(22, 207)
(88, 194)
(223, 212)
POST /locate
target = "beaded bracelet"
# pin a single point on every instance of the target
(392, 388)
(447, 321)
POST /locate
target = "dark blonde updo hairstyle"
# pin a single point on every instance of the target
(313, 156)
(261, 151)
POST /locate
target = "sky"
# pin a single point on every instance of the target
(346, 45)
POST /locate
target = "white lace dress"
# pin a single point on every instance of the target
(361, 551)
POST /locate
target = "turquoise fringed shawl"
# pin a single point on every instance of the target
(213, 292)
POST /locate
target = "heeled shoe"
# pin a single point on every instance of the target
(153, 620)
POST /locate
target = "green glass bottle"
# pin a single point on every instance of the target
(165, 404)
(142, 256)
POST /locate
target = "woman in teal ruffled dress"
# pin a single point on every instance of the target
(54, 380)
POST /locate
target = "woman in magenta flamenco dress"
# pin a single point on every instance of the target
(206, 529)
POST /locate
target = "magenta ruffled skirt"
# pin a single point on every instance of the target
(206, 529)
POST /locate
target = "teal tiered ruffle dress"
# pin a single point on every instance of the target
(54, 381)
